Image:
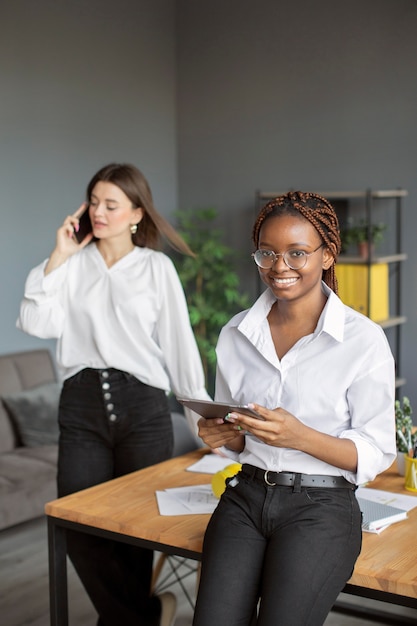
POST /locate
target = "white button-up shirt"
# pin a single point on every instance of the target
(132, 316)
(339, 380)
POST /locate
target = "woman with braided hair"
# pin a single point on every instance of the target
(286, 533)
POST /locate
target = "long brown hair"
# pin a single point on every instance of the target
(152, 226)
(318, 211)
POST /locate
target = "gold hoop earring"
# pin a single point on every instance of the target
(133, 228)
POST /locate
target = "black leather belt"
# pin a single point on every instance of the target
(291, 479)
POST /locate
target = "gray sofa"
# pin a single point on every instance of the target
(29, 396)
(29, 392)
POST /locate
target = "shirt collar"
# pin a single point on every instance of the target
(331, 321)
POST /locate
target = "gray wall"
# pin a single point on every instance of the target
(308, 95)
(213, 100)
(83, 83)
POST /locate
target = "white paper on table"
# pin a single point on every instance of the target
(169, 505)
(186, 500)
(210, 464)
(398, 500)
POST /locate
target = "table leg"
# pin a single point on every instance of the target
(58, 587)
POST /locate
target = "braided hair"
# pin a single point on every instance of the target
(318, 211)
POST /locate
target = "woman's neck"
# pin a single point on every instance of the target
(113, 251)
(301, 312)
(290, 321)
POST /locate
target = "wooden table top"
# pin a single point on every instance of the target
(128, 506)
(388, 561)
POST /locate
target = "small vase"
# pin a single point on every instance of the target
(365, 250)
(401, 462)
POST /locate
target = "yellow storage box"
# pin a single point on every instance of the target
(353, 288)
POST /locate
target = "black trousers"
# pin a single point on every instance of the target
(112, 424)
(292, 549)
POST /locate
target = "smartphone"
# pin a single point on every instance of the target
(85, 226)
(209, 409)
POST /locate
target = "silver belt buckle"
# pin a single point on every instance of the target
(266, 479)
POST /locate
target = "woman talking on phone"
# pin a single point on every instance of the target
(286, 533)
(117, 308)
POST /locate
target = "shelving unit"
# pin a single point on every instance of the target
(368, 201)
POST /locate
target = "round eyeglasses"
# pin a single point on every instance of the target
(293, 258)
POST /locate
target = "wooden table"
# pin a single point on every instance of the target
(125, 509)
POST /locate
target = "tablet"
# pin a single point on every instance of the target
(209, 409)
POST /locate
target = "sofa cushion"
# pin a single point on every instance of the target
(21, 370)
(27, 482)
(27, 465)
(35, 414)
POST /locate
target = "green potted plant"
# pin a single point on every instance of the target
(210, 282)
(405, 437)
(361, 235)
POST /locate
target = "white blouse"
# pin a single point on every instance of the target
(339, 380)
(132, 316)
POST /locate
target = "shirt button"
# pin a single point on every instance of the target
(105, 374)
(105, 386)
(113, 417)
(107, 395)
(110, 407)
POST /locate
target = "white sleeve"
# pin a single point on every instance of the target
(178, 344)
(41, 310)
(371, 399)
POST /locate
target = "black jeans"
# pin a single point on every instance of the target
(111, 424)
(292, 549)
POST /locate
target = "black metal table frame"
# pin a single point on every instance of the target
(58, 582)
